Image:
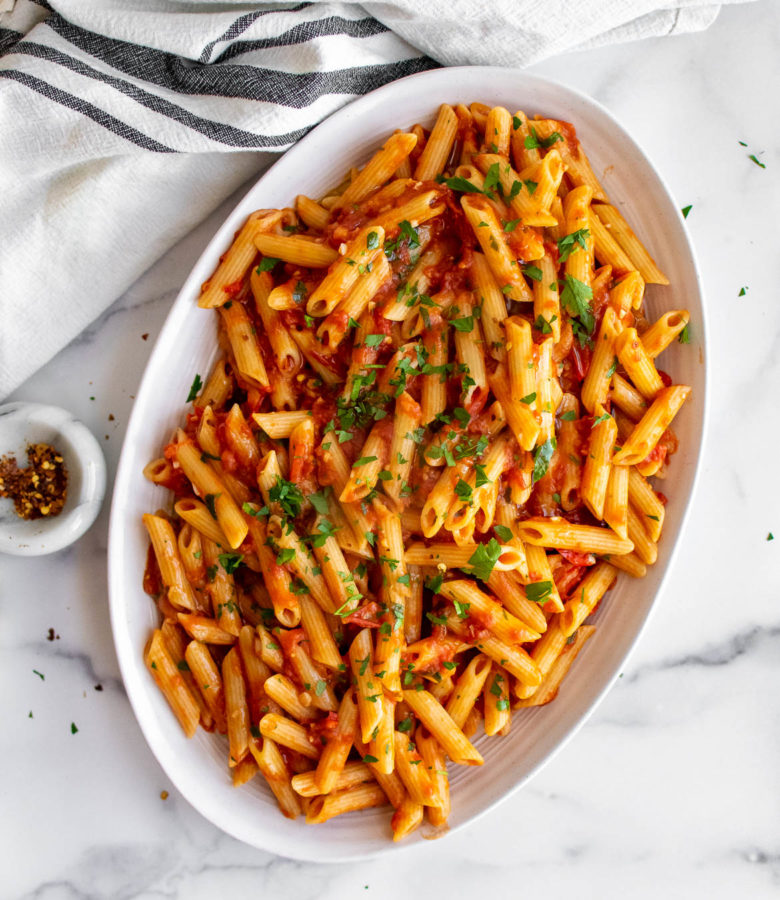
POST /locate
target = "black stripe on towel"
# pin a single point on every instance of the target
(216, 131)
(87, 109)
(243, 81)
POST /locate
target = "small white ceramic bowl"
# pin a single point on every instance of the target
(32, 423)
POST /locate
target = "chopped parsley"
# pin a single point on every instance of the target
(483, 559)
(230, 561)
(503, 533)
(571, 242)
(538, 591)
(195, 387)
(684, 337)
(542, 457)
(287, 495)
(267, 263)
(576, 297)
(534, 142)
(210, 501)
(685, 210)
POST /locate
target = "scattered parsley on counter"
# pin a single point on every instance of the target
(742, 292)
(39, 674)
(753, 158)
(73, 729)
(685, 210)
(770, 536)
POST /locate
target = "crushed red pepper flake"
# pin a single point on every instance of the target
(39, 490)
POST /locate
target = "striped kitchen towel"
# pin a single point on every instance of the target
(123, 123)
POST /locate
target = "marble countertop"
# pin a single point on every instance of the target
(672, 789)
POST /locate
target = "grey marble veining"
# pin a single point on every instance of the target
(673, 787)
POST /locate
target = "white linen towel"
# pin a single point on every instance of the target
(123, 123)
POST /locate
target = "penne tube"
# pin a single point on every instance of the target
(627, 398)
(434, 386)
(454, 557)
(545, 393)
(590, 590)
(336, 751)
(493, 306)
(226, 280)
(344, 273)
(421, 208)
(179, 590)
(170, 681)
(663, 331)
(644, 546)
(512, 596)
(289, 734)
(519, 417)
(578, 168)
(296, 249)
(490, 614)
(287, 356)
(271, 764)
(563, 535)
(637, 364)
(408, 416)
(467, 688)
(415, 777)
(520, 362)
(281, 424)
(495, 701)
(209, 680)
(242, 335)
(647, 432)
(211, 487)
(631, 564)
(616, 500)
(606, 249)
(236, 709)
(491, 238)
(540, 575)
(218, 387)
(569, 452)
(437, 149)
(352, 774)
(622, 234)
(523, 204)
(646, 503)
(312, 213)
(514, 659)
(438, 722)
(367, 691)
(365, 470)
(627, 294)
(435, 763)
(323, 645)
(221, 589)
(282, 691)
(379, 169)
(202, 628)
(471, 357)
(548, 689)
(595, 474)
(524, 153)
(362, 796)
(547, 302)
(595, 387)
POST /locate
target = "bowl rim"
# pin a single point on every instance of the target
(304, 850)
